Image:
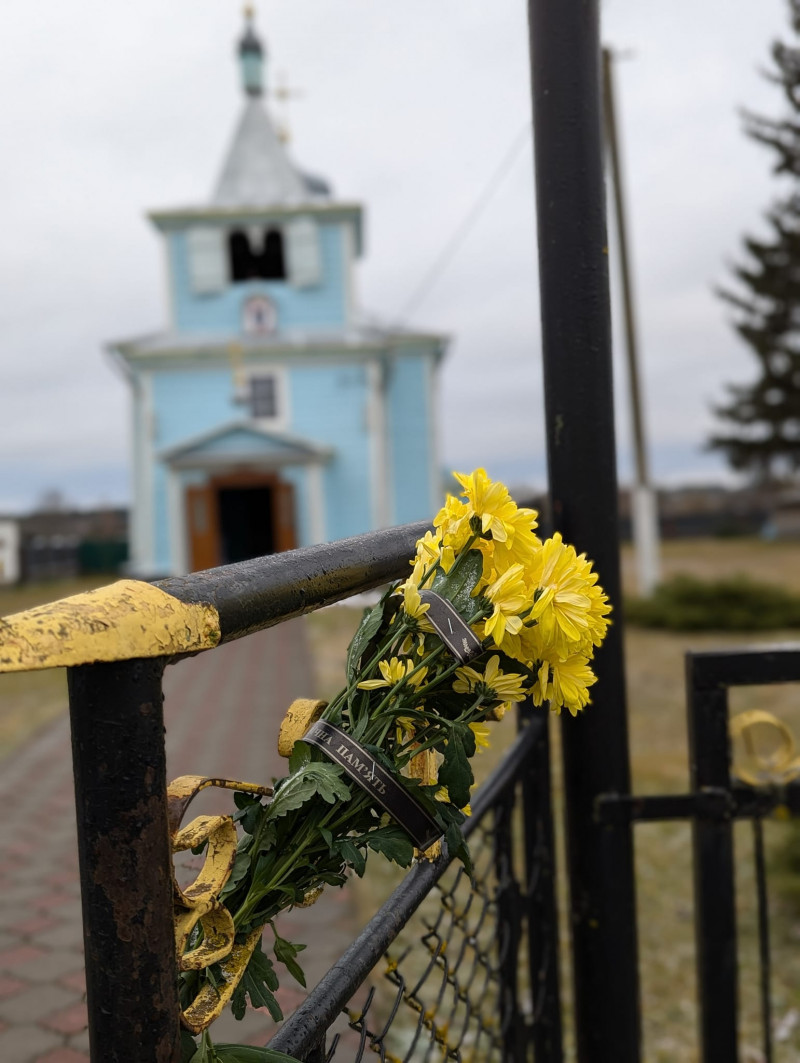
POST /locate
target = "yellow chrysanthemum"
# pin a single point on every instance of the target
(412, 603)
(428, 547)
(452, 523)
(481, 732)
(510, 596)
(563, 606)
(430, 552)
(498, 685)
(565, 683)
(393, 672)
(491, 502)
(599, 607)
(404, 728)
(522, 546)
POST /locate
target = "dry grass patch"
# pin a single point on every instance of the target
(29, 700)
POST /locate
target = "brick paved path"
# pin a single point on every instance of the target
(222, 709)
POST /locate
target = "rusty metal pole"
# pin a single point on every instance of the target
(119, 760)
(576, 342)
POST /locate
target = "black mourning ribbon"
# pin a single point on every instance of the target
(376, 781)
(451, 628)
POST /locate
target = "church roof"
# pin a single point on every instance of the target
(258, 171)
(367, 338)
(244, 440)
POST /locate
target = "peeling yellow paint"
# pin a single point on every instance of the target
(211, 1000)
(200, 902)
(763, 749)
(124, 620)
(299, 717)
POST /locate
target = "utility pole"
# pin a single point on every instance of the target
(644, 505)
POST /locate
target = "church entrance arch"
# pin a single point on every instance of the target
(238, 515)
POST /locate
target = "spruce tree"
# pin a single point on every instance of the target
(763, 418)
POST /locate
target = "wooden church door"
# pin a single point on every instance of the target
(239, 516)
(202, 522)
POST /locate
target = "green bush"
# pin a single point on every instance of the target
(736, 603)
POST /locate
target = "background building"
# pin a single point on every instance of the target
(266, 415)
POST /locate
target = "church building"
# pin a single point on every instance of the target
(267, 414)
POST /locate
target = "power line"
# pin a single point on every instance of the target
(462, 231)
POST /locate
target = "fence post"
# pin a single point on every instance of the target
(119, 760)
(540, 877)
(714, 869)
(576, 341)
(508, 932)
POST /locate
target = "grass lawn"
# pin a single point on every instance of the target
(29, 700)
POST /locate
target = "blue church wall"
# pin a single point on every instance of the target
(187, 404)
(323, 306)
(329, 405)
(409, 419)
(161, 543)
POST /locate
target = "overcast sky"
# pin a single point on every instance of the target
(111, 108)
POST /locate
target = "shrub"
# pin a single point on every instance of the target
(685, 603)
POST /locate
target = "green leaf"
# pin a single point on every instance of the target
(240, 868)
(285, 953)
(457, 847)
(250, 816)
(380, 756)
(188, 1047)
(450, 814)
(351, 854)
(262, 997)
(330, 785)
(370, 622)
(301, 755)
(455, 772)
(238, 1002)
(393, 842)
(458, 584)
(313, 779)
(260, 968)
(330, 878)
(249, 1054)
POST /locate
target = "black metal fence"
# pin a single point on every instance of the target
(483, 974)
(716, 800)
(454, 967)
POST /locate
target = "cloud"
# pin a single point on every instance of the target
(408, 106)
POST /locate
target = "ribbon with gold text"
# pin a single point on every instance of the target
(375, 780)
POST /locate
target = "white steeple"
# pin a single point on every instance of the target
(258, 171)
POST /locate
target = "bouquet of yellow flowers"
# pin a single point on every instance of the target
(489, 615)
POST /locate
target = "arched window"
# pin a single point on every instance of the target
(248, 260)
(272, 264)
(242, 262)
